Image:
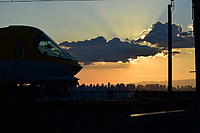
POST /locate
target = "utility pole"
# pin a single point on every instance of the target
(196, 26)
(170, 96)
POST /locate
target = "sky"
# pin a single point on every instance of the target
(117, 41)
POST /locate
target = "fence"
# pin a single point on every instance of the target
(103, 95)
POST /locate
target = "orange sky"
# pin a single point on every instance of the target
(144, 69)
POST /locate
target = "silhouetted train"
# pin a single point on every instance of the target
(28, 55)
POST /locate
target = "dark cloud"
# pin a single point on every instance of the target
(99, 49)
(159, 36)
(176, 53)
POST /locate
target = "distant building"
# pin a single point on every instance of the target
(108, 84)
(140, 87)
(130, 86)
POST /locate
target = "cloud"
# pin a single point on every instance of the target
(159, 36)
(99, 49)
(151, 43)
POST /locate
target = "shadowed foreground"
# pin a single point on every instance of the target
(100, 116)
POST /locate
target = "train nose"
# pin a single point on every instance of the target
(77, 68)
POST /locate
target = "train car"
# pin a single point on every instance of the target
(29, 56)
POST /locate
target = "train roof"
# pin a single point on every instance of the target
(19, 31)
(13, 27)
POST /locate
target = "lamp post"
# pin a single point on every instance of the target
(170, 96)
(196, 25)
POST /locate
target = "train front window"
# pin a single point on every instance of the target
(48, 47)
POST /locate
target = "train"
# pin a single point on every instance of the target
(30, 57)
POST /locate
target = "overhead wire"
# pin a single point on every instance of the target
(44, 0)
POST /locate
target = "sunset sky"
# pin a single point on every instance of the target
(107, 24)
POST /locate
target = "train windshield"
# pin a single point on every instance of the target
(48, 47)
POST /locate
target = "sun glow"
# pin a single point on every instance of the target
(150, 68)
(127, 19)
(190, 26)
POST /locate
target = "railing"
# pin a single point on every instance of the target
(118, 95)
(103, 95)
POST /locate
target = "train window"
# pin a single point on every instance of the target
(20, 50)
(48, 47)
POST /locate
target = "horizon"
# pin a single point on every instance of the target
(190, 82)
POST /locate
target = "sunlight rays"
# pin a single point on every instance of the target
(84, 20)
(129, 18)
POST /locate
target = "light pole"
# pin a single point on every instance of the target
(170, 96)
(196, 24)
